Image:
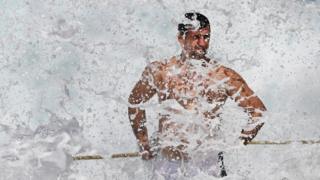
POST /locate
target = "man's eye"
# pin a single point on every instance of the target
(196, 37)
(206, 37)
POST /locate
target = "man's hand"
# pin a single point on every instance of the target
(147, 152)
(247, 136)
(147, 155)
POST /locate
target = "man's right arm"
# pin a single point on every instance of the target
(141, 93)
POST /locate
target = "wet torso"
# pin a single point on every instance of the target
(197, 86)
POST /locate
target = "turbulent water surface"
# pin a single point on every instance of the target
(67, 68)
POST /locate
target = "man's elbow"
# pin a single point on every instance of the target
(134, 100)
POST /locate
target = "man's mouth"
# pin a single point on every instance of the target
(200, 51)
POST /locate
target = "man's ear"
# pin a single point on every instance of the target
(181, 39)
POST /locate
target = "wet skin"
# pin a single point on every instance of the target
(186, 87)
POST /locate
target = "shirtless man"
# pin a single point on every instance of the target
(197, 83)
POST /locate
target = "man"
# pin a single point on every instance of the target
(196, 87)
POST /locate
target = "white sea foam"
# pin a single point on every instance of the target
(67, 68)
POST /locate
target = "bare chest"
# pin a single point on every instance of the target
(190, 86)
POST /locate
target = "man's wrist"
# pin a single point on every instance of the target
(144, 146)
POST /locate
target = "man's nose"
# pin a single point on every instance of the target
(202, 42)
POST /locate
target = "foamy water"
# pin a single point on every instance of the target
(67, 68)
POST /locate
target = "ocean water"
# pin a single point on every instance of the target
(67, 68)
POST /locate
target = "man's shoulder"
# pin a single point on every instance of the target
(159, 64)
(228, 72)
(225, 69)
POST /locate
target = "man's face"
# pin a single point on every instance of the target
(196, 42)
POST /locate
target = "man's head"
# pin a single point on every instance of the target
(194, 35)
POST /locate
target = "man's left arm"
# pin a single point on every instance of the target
(245, 97)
